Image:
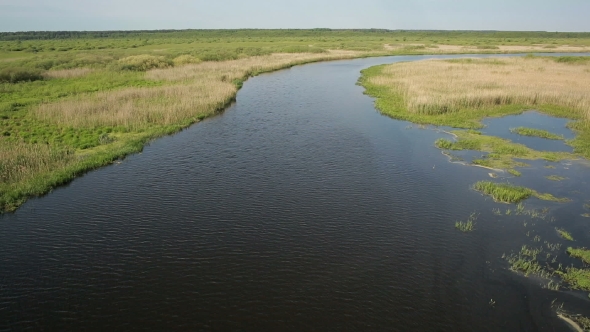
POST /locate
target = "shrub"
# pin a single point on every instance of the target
(185, 60)
(14, 75)
(143, 62)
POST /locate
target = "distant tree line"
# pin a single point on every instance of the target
(52, 35)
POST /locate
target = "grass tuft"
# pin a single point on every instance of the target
(467, 226)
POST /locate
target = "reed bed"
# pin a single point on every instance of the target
(200, 90)
(434, 87)
(20, 160)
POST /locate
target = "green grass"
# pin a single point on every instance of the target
(503, 192)
(555, 178)
(508, 193)
(576, 278)
(526, 261)
(564, 234)
(514, 172)
(501, 152)
(583, 254)
(536, 133)
(467, 226)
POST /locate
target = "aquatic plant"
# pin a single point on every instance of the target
(576, 278)
(555, 178)
(467, 226)
(461, 93)
(514, 172)
(581, 253)
(503, 192)
(508, 193)
(564, 234)
(524, 131)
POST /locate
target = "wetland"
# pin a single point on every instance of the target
(303, 207)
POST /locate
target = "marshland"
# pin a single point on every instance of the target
(246, 219)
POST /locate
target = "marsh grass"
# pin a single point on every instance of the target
(503, 192)
(555, 178)
(462, 93)
(577, 278)
(536, 133)
(514, 172)
(526, 262)
(501, 152)
(564, 234)
(468, 225)
(581, 253)
(508, 193)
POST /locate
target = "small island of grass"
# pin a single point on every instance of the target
(508, 193)
(524, 131)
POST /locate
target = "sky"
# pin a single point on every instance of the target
(529, 15)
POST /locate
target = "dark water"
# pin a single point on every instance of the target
(501, 127)
(299, 208)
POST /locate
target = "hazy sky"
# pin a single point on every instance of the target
(564, 15)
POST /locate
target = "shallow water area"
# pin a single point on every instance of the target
(299, 208)
(501, 127)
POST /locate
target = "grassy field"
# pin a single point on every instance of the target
(74, 101)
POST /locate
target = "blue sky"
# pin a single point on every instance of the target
(25, 15)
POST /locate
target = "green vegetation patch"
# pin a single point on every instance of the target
(576, 278)
(524, 131)
(565, 234)
(501, 152)
(581, 253)
(555, 178)
(508, 193)
(467, 226)
(526, 261)
(503, 192)
(514, 172)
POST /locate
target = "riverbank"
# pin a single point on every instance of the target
(66, 138)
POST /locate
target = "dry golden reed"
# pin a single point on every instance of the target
(438, 86)
(200, 89)
(20, 161)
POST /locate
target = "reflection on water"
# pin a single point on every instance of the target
(299, 208)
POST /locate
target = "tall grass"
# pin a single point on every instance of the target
(435, 87)
(206, 87)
